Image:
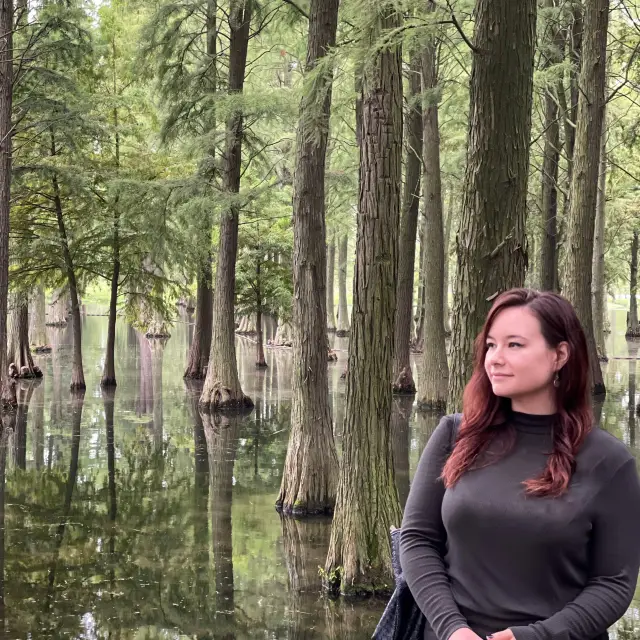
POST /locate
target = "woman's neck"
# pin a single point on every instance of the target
(542, 403)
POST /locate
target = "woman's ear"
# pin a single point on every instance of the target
(562, 354)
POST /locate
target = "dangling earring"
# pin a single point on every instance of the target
(556, 380)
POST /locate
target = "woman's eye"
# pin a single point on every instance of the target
(490, 345)
(514, 344)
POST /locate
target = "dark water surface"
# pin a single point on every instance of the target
(125, 517)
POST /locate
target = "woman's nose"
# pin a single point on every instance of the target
(496, 356)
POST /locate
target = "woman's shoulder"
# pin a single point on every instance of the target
(602, 452)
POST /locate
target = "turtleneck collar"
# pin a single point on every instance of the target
(533, 423)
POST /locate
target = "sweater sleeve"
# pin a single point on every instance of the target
(423, 540)
(615, 559)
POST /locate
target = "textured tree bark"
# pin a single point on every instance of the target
(331, 270)
(77, 371)
(402, 375)
(367, 505)
(7, 391)
(19, 358)
(433, 385)
(222, 388)
(584, 183)
(343, 309)
(633, 327)
(491, 244)
(198, 358)
(549, 254)
(599, 293)
(311, 467)
(418, 342)
(37, 329)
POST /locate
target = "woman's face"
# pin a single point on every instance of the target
(519, 362)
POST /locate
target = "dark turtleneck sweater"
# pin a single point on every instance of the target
(484, 555)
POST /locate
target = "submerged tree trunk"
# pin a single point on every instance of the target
(260, 359)
(432, 391)
(77, 371)
(633, 328)
(598, 288)
(402, 374)
(584, 184)
(37, 329)
(222, 388)
(343, 310)
(359, 556)
(310, 471)
(19, 358)
(198, 359)
(491, 241)
(7, 391)
(331, 270)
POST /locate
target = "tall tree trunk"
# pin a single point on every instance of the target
(359, 557)
(198, 359)
(331, 270)
(584, 183)
(310, 471)
(37, 329)
(109, 370)
(402, 374)
(19, 357)
(420, 302)
(7, 390)
(343, 309)
(549, 254)
(491, 241)
(633, 328)
(432, 390)
(77, 371)
(447, 244)
(260, 359)
(599, 292)
(222, 388)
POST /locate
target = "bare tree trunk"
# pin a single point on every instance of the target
(19, 358)
(37, 329)
(447, 245)
(59, 309)
(260, 359)
(491, 243)
(343, 309)
(7, 391)
(310, 471)
(432, 390)
(584, 184)
(331, 270)
(198, 359)
(599, 292)
(402, 374)
(359, 557)
(222, 388)
(633, 327)
(418, 343)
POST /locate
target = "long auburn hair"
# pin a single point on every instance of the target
(484, 413)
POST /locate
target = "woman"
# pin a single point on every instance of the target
(530, 527)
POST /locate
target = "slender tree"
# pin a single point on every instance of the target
(402, 374)
(553, 54)
(201, 345)
(310, 471)
(599, 294)
(359, 557)
(584, 183)
(7, 391)
(343, 309)
(432, 391)
(331, 270)
(633, 326)
(222, 385)
(491, 243)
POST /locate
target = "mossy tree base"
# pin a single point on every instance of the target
(108, 382)
(404, 384)
(221, 398)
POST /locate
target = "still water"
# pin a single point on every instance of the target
(126, 517)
